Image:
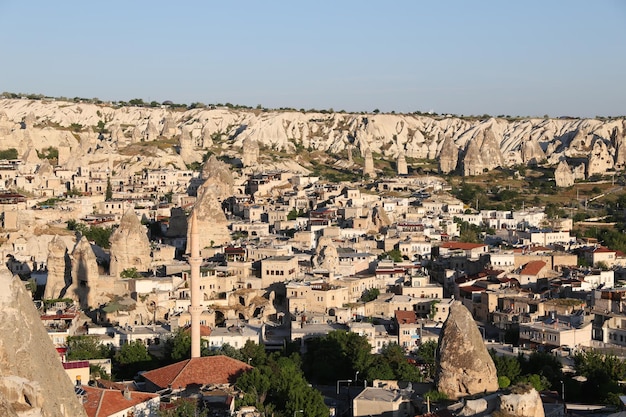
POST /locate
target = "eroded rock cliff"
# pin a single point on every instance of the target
(33, 382)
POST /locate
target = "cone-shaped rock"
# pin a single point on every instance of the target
(59, 268)
(401, 165)
(619, 141)
(130, 247)
(85, 273)
(464, 366)
(217, 175)
(32, 379)
(563, 175)
(482, 153)
(449, 156)
(600, 159)
(532, 154)
(368, 167)
(326, 256)
(380, 218)
(187, 147)
(250, 152)
(212, 222)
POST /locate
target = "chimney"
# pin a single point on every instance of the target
(126, 393)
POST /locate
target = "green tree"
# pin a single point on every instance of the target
(101, 126)
(178, 347)
(293, 214)
(81, 348)
(506, 366)
(183, 407)
(426, 352)
(370, 295)
(394, 355)
(226, 350)
(132, 358)
(338, 355)
(132, 352)
(108, 195)
(130, 273)
(394, 254)
(279, 388)
(602, 372)
(10, 153)
(254, 352)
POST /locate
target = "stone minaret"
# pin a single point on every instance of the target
(194, 262)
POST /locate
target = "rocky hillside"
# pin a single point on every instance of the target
(133, 138)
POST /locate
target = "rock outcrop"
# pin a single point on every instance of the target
(449, 156)
(482, 153)
(33, 382)
(130, 247)
(368, 164)
(250, 152)
(532, 154)
(218, 177)
(520, 402)
(563, 175)
(59, 270)
(619, 142)
(85, 274)
(326, 255)
(600, 160)
(380, 219)
(483, 142)
(464, 366)
(187, 147)
(212, 222)
(401, 166)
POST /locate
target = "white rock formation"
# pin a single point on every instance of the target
(563, 175)
(130, 247)
(368, 167)
(85, 274)
(33, 382)
(484, 141)
(326, 256)
(526, 403)
(600, 160)
(59, 270)
(212, 222)
(401, 165)
(464, 366)
(250, 152)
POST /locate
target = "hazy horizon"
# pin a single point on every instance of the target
(561, 58)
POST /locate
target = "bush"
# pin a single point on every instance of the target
(503, 382)
(10, 153)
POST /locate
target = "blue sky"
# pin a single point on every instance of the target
(464, 57)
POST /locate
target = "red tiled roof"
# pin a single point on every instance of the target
(198, 371)
(461, 245)
(205, 331)
(602, 249)
(533, 268)
(105, 383)
(405, 317)
(104, 402)
(471, 288)
(540, 249)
